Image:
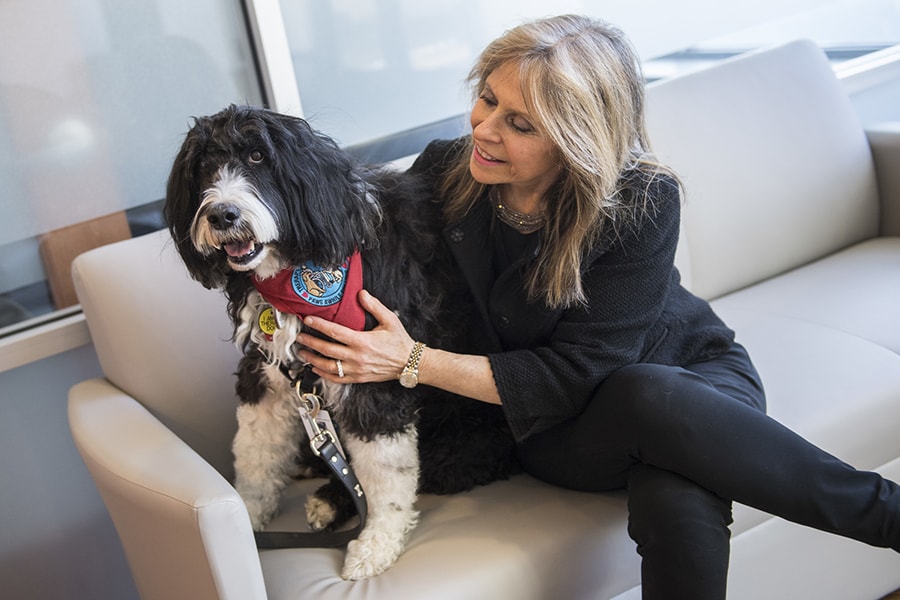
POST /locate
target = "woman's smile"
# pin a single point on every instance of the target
(485, 157)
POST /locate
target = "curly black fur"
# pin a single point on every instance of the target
(326, 206)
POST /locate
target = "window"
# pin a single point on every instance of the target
(95, 96)
(367, 69)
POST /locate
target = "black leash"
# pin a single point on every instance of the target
(324, 444)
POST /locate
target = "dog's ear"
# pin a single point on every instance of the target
(325, 197)
(181, 203)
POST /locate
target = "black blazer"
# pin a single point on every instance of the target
(547, 363)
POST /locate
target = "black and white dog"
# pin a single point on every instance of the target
(267, 209)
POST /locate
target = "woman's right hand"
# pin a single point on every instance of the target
(378, 354)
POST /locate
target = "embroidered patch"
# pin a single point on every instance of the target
(318, 286)
(268, 322)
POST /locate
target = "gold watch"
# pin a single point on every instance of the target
(409, 376)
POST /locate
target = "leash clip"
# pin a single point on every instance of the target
(316, 421)
(309, 403)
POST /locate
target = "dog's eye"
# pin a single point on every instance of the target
(256, 157)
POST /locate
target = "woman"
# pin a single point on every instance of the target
(610, 374)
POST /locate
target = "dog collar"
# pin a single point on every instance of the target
(310, 290)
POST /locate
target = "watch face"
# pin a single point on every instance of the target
(409, 379)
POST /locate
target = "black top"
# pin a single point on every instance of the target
(548, 362)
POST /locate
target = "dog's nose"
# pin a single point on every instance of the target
(223, 216)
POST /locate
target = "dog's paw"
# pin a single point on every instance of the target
(371, 554)
(320, 514)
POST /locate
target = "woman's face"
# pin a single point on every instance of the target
(509, 149)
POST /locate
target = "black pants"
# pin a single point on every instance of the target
(685, 442)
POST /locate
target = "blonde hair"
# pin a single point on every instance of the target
(582, 82)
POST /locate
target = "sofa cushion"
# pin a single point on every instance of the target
(856, 291)
(776, 167)
(834, 388)
(512, 539)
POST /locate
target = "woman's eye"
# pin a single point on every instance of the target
(521, 126)
(487, 99)
(256, 157)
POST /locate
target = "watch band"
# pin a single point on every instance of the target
(409, 376)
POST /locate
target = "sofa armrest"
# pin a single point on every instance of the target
(184, 528)
(884, 140)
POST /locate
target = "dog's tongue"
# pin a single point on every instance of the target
(238, 249)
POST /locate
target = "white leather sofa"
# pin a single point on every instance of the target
(791, 226)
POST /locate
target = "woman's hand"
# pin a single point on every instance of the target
(366, 356)
(381, 353)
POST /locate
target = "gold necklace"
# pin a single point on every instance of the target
(521, 222)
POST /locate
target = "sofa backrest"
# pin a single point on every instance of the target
(775, 164)
(163, 339)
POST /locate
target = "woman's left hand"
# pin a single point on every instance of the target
(365, 356)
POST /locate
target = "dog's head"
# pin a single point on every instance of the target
(254, 190)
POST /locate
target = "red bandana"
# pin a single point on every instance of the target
(312, 290)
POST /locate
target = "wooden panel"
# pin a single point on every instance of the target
(60, 247)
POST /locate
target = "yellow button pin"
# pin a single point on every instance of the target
(267, 321)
